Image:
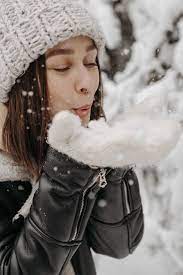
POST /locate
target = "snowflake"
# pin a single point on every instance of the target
(91, 195)
(29, 111)
(30, 93)
(102, 203)
(131, 182)
(24, 93)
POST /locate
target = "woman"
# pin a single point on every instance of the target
(56, 201)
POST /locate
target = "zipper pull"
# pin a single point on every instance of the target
(102, 178)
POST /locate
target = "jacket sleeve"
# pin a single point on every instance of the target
(54, 228)
(116, 224)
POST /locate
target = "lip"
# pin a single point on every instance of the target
(83, 107)
(82, 111)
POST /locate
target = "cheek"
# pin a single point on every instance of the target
(61, 89)
(95, 82)
(58, 89)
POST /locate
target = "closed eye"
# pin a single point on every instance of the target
(62, 70)
(91, 64)
(67, 68)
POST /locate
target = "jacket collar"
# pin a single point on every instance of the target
(11, 171)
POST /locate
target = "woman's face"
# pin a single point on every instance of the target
(73, 76)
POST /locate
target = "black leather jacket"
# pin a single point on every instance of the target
(71, 213)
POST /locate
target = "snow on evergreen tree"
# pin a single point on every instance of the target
(144, 58)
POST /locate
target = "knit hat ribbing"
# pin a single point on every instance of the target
(28, 28)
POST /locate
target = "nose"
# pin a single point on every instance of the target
(82, 82)
(84, 91)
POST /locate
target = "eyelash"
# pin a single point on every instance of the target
(67, 68)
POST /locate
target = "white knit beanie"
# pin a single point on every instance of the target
(29, 27)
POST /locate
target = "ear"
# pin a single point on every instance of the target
(3, 114)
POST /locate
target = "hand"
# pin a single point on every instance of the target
(135, 140)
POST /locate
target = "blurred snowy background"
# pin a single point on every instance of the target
(143, 56)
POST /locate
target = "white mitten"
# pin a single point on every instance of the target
(136, 140)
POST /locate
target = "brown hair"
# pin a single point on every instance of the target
(28, 118)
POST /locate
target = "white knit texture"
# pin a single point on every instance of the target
(10, 170)
(28, 28)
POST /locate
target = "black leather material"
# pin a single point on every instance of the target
(113, 230)
(65, 221)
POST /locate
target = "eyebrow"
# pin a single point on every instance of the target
(68, 51)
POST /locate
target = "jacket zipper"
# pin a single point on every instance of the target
(102, 183)
(102, 180)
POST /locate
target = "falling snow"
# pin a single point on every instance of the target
(24, 93)
(102, 203)
(146, 73)
(29, 111)
(55, 168)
